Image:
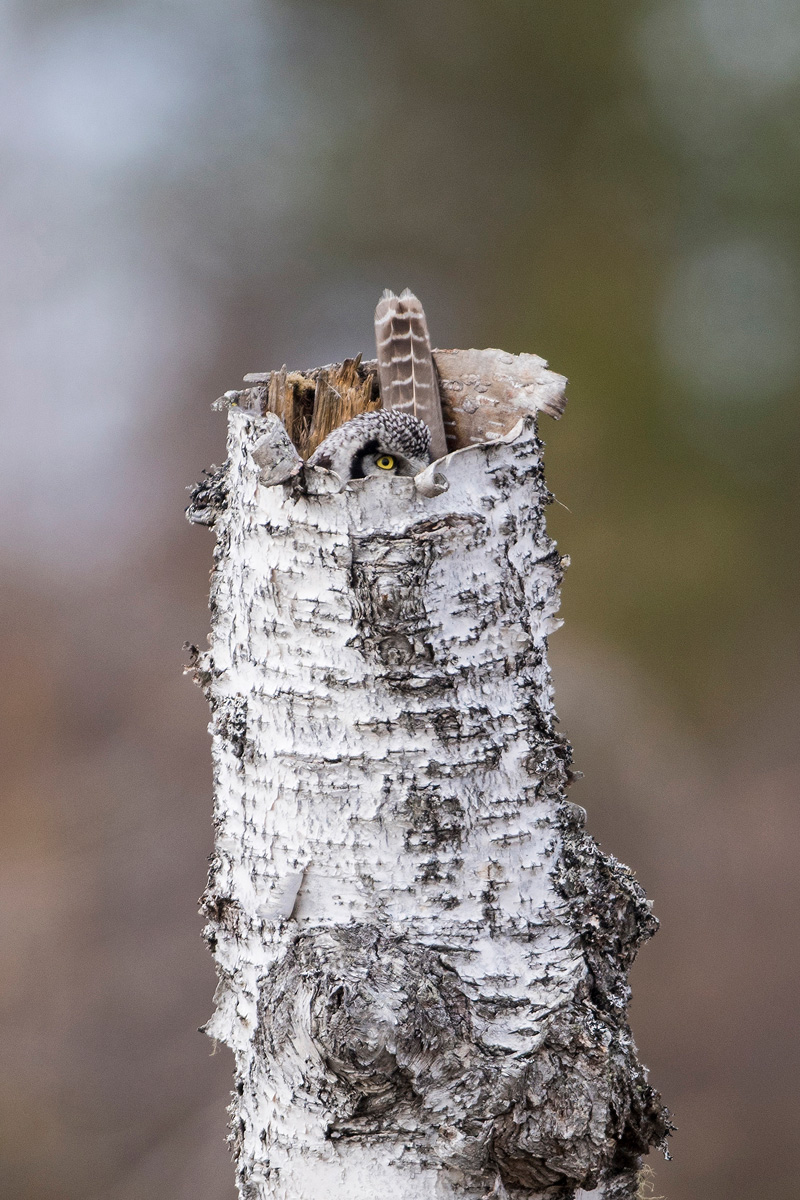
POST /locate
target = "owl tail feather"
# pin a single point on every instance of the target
(405, 364)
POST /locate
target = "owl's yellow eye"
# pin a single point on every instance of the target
(385, 462)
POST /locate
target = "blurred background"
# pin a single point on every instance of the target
(192, 189)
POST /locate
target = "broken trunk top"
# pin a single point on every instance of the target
(484, 393)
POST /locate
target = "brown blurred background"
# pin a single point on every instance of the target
(193, 189)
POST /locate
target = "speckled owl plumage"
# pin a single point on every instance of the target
(352, 450)
(409, 429)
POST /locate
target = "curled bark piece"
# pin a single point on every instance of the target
(431, 481)
(275, 455)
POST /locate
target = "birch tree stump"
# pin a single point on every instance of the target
(422, 956)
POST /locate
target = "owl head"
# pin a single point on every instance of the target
(386, 442)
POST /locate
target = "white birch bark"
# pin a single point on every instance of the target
(422, 957)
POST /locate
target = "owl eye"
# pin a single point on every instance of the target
(385, 462)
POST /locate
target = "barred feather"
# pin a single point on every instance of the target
(405, 364)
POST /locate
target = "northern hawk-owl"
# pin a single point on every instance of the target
(375, 443)
(403, 437)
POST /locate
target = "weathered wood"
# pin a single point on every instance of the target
(485, 392)
(342, 392)
(422, 955)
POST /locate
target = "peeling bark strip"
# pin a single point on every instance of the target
(422, 957)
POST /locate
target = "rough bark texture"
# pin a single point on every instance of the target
(422, 957)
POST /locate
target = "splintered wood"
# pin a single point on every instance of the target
(311, 403)
(484, 394)
(340, 394)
